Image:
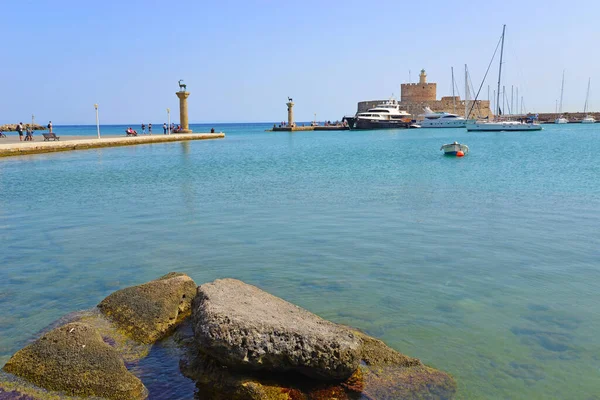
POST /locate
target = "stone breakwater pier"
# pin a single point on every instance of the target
(24, 148)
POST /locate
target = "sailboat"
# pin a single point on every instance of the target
(561, 119)
(588, 119)
(491, 126)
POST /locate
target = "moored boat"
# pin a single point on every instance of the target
(441, 119)
(455, 149)
(499, 126)
(386, 115)
(588, 119)
(561, 119)
(503, 125)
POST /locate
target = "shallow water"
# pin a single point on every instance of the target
(485, 267)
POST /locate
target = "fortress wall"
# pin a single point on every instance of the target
(417, 92)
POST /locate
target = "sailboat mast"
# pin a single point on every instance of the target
(466, 93)
(454, 98)
(512, 96)
(587, 96)
(500, 68)
(562, 89)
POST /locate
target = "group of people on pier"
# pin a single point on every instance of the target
(166, 129)
(25, 132)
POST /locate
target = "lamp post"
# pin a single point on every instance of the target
(169, 118)
(97, 121)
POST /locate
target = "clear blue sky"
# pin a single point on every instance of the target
(241, 59)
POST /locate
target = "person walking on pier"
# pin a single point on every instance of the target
(149, 129)
(20, 130)
(29, 134)
(165, 128)
(143, 129)
(50, 126)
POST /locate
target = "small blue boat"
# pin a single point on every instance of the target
(455, 149)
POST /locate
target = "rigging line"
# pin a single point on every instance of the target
(505, 100)
(456, 86)
(476, 104)
(485, 76)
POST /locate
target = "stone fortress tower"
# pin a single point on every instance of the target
(416, 96)
(418, 92)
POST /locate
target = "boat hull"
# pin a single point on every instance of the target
(461, 123)
(367, 124)
(588, 121)
(502, 127)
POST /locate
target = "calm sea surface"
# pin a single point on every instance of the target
(487, 267)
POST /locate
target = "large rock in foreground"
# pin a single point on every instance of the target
(384, 374)
(245, 327)
(150, 311)
(75, 360)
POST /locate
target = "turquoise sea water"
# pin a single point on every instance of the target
(486, 267)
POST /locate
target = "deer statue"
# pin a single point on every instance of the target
(182, 86)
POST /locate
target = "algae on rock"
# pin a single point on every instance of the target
(75, 360)
(150, 311)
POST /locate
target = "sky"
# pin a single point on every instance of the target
(242, 59)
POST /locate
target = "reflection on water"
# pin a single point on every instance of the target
(187, 185)
(485, 266)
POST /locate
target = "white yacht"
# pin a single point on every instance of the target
(441, 119)
(528, 124)
(386, 115)
(588, 119)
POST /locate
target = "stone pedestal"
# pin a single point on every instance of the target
(290, 106)
(183, 112)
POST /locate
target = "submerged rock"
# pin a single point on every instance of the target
(245, 327)
(75, 360)
(384, 374)
(218, 382)
(150, 311)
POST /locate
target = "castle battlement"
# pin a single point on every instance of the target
(417, 84)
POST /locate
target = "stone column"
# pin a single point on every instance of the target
(290, 106)
(183, 112)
